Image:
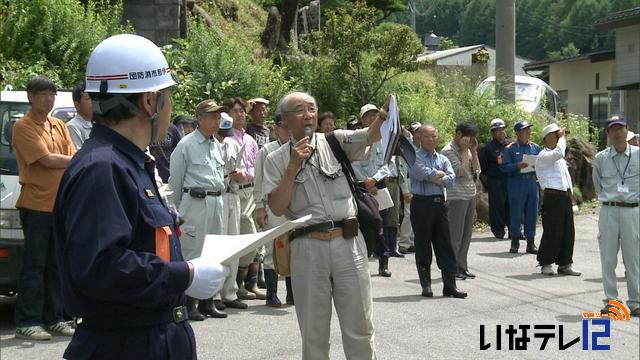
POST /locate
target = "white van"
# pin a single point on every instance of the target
(532, 95)
(13, 106)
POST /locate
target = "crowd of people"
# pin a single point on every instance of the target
(91, 192)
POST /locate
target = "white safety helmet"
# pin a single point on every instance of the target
(127, 64)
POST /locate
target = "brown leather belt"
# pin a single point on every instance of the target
(392, 179)
(557, 192)
(325, 235)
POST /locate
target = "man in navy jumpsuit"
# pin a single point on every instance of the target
(490, 161)
(522, 187)
(121, 266)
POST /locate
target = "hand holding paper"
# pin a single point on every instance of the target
(208, 278)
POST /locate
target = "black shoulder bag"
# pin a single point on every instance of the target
(368, 211)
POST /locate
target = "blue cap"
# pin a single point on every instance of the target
(616, 120)
(521, 124)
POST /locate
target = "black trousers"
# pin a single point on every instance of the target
(39, 298)
(431, 228)
(558, 234)
(498, 205)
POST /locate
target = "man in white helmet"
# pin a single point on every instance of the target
(127, 281)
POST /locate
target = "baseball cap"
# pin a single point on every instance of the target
(207, 106)
(553, 127)
(226, 121)
(616, 120)
(366, 108)
(631, 135)
(497, 123)
(521, 124)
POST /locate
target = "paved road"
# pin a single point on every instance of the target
(509, 290)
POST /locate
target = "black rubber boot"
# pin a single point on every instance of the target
(531, 246)
(251, 282)
(515, 245)
(425, 281)
(391, 237)
(383, 266)
(450, 289)
(192, 309)
(289, 299)
(271, 280)
(207, 308)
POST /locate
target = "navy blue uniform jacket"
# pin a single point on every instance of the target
(105, 220)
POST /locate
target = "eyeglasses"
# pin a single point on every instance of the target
(301, 111)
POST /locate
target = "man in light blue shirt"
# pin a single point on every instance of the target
(616, 177)
(197, 182)
(430, 175)
(80, 126)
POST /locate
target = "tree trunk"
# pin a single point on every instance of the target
(289, 10)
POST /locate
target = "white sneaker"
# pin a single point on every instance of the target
(32, 333)
(547, 270)
(61, 328)
(568, 270)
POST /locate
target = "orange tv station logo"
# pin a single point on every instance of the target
(617, 311)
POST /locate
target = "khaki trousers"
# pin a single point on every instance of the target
(231, 219)
(619, 228)
(335, 270)
(201, 217)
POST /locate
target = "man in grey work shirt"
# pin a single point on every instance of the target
(80, 126)
(197, 182)
(430, 174)
(616, 176)
(328, 256)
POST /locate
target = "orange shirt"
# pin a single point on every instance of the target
(33, 141)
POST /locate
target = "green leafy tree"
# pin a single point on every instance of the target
(365, 55)
(53, 37)
(568, 51)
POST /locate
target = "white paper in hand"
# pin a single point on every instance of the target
(225, 248)
(384, 199)
(531, 161)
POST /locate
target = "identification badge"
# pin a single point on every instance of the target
(623, 188)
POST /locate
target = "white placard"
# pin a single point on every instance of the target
(384, 199)
(225, 248)
(390, 131)
(531, 161)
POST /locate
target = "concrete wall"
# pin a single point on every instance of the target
(157, 20)
(465, 59)
(579, 79)
(627, 68)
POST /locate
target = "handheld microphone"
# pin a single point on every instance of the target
(308, 132)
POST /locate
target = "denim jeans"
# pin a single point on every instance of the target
(39, 298)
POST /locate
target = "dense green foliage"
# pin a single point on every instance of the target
(217, 65)
(542, 26)
(354, 58)
(53, 37)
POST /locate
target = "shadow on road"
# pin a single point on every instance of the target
(487, 239)
(503, 255)
(269, 311)
(599, 280)
(528, 277)
(403, 298)
(417, 281)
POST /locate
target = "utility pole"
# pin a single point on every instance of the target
(505, 50)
